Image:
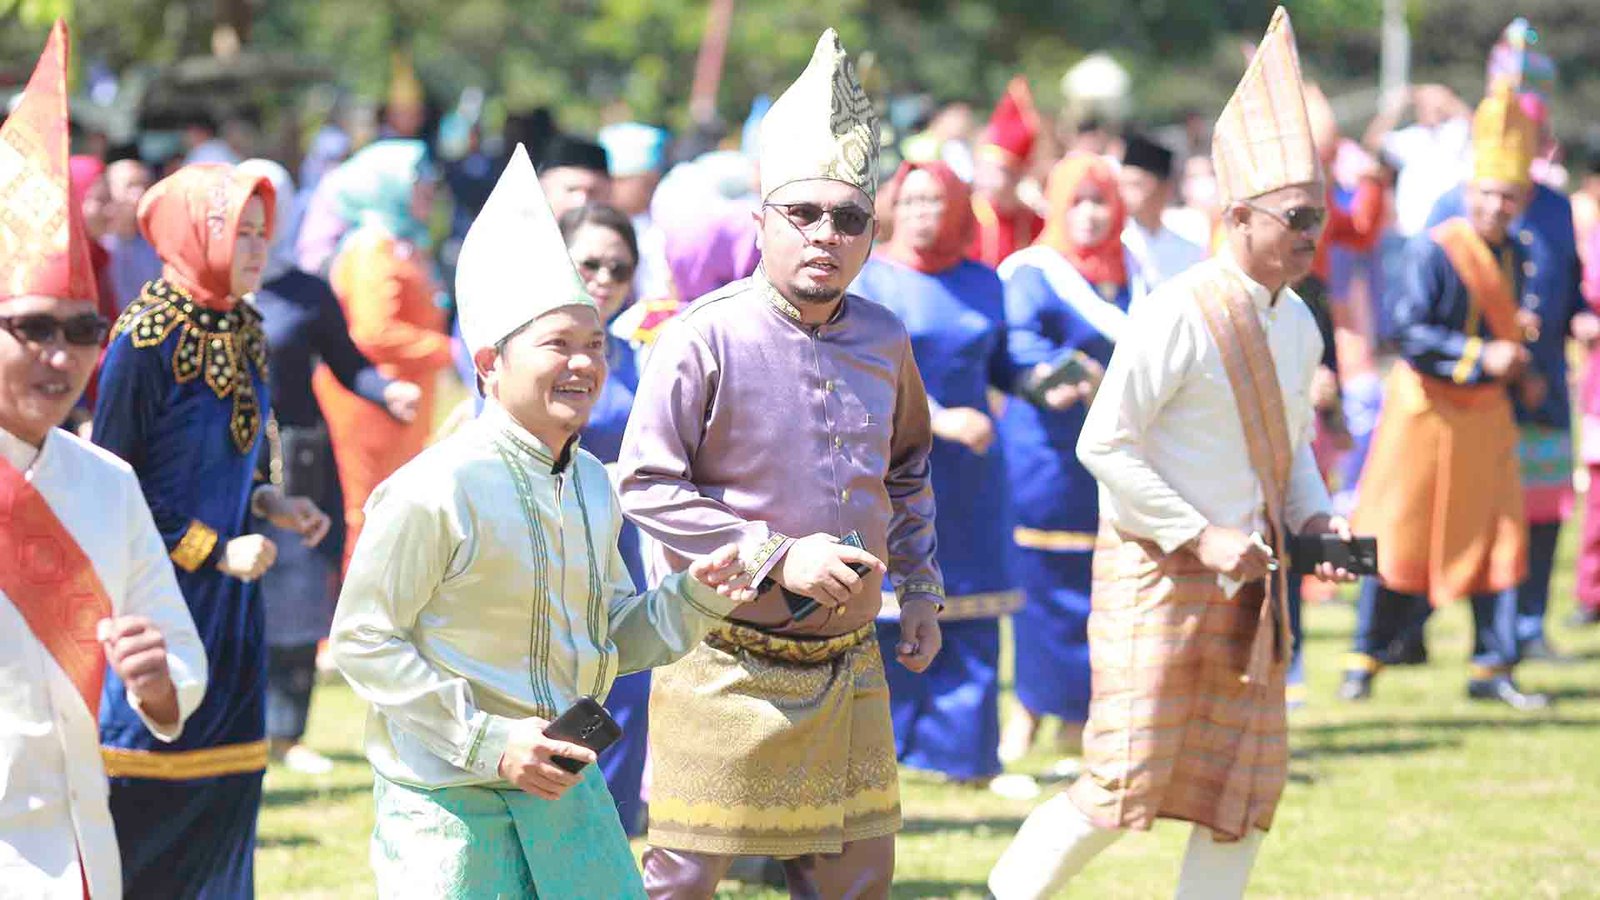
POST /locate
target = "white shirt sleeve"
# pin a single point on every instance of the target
(1149, 365)
(152, 592)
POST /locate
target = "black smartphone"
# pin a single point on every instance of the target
(1358, 556)
(801, 606)
(1066, 368)
(587, 724)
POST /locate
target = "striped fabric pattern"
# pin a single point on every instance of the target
(1262, 141)
(1173, 731)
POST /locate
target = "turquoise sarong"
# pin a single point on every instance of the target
(478, 843)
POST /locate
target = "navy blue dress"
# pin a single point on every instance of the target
(947, 719)
(184, 399)
(1054, 499)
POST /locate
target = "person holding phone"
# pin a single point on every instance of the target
(1066, 302)
(782, 413)
(1200, 439)
(487, 596)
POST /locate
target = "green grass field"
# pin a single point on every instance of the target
(1420, 793)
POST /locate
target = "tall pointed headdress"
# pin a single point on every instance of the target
(44, 248)
(823, 126)
(514, 266)
(1263, 141)
(1504, 138)
(1014, 127)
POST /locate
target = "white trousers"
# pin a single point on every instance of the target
(1058, 840)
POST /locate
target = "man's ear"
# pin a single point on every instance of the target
(484, 362)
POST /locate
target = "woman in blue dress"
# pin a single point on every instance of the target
(606, 252)
(947, 719)
(184, 399)
(305, 327)
(1068, 294)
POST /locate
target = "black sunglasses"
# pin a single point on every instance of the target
(616, 269)
(87, 330)
(848, 219)
(1300, 218)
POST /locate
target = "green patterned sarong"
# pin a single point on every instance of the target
(478, 843)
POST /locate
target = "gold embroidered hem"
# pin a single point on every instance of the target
(195, 547)
(221, 346)
(987, 605)
(185, 765)
(1056, 541)
(756, 755)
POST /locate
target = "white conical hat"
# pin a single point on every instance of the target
(514, 266)
(823, 126)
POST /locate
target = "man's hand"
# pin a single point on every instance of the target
(818, 566)
(527, 764)
(920, 637)
(1232, 554)
(724, 572)
(1324, 523)
(402, 398)
(965, 426)
(247, 557)
(296, 514)
(137, 652)
(1505, 360)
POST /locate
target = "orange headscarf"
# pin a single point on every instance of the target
(191, 218)
(956, 224)
(1101, 264)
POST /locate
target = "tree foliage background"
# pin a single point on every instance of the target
(581, 55)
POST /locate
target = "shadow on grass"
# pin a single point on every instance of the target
(270, 841)
(1574, 694)
(930, 889)
(1391, 747)
(936, 824)
(276, 797)
(1528, 720)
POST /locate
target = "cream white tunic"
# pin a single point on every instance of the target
(487, 587)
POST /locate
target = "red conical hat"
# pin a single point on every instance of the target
(1014, 126)
(44, 249)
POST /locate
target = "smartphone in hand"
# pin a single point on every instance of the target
(587, 724)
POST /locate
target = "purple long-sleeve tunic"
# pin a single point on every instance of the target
(752, 428)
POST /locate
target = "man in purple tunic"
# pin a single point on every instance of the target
(782, 414)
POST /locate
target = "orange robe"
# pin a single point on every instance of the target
(387, 290)
(1442, 489)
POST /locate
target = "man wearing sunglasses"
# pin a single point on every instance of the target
(784, 415)
(1200, 439)
(85, 583)
(1442, 487)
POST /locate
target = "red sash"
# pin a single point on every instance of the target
(52, 583)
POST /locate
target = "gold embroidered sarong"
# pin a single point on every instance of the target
(768, 745)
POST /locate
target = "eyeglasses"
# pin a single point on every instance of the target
(848, 219)
(1300, 218)
(615, 269)
(87, 330)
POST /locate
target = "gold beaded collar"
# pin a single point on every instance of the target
(221, 346)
